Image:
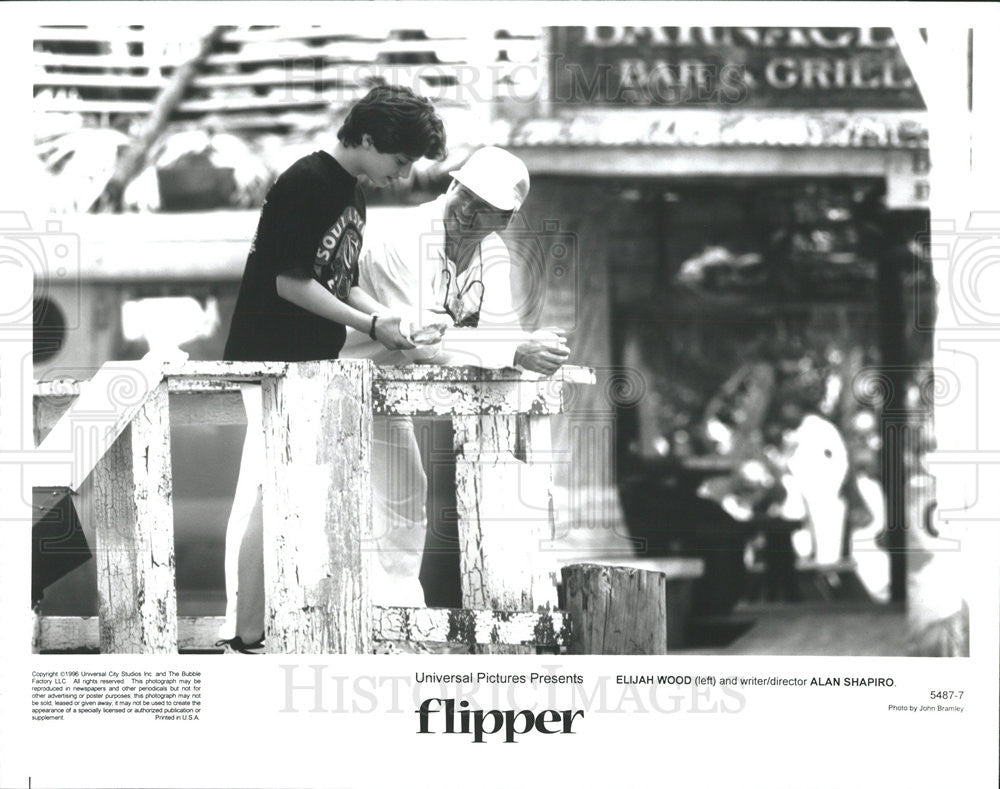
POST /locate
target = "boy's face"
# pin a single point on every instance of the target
(383, 168)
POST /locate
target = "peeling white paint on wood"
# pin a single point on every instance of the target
(450, 398)
(232, 371)
(317, 503)
(65, 633)
(208, 392)
(539, 457)
(93, 421)
(503, 516)
(317, 497)
(463, 373)
(128, 498)
(471, 627)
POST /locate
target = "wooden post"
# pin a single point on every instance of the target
(616, 610)
(317, 507)
(129, 498)
(536, 439)
(498, 536)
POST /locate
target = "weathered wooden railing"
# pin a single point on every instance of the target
(109, 440)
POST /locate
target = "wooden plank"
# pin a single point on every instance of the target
(65, 633)
(452, 48)
(97, 34)
(500, 523)
(98, 80)
(292, 119)
(107, 403)
(104, 61)
(217, 403)
(343, 53)
(444, 398)
(474, 628)
(418, 626)
(616, 610)
(287, 51)
(284, 100)
(204, 393)
(128, 498)
(339, 54)
(287, 32)
(441, 372)
(229, 371)
(454, 95)
(64, 391)
(420, 373)
(318, 507)
(282, 76)
(535, 434)
(64, 104)
(198, 632)
(211, 392)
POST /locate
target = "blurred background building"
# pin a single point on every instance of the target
(728, 222)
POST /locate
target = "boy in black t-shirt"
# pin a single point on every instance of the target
(299, 292)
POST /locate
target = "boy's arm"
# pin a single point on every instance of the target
(305, 292)
(360, 300)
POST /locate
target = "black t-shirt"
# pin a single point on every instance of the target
(313, 221)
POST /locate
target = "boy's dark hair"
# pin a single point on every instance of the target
(398, 120)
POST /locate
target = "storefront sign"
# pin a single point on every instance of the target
(730, 66)
(892, 130)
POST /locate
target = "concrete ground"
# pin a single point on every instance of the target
(811, 628)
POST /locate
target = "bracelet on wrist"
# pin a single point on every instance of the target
(371, 331)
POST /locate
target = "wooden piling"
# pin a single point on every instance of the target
(317, 507)
(128, 497)
(616, 610)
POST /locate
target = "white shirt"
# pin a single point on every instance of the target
(404, 266)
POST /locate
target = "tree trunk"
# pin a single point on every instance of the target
(134, 159)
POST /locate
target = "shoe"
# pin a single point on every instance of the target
(235, 645)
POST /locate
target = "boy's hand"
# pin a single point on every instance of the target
(429, 333)
(387, 332)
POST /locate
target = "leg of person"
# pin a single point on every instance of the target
(245, 502)
(400, 513)
(250, 608)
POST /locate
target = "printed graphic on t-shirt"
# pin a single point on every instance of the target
(336, 262)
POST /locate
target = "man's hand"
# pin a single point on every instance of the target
(544, 353)
(387, 332)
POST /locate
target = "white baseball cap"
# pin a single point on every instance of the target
(497, 176)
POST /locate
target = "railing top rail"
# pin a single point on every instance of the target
(217, 376)
(103, 408)
(208, 393)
